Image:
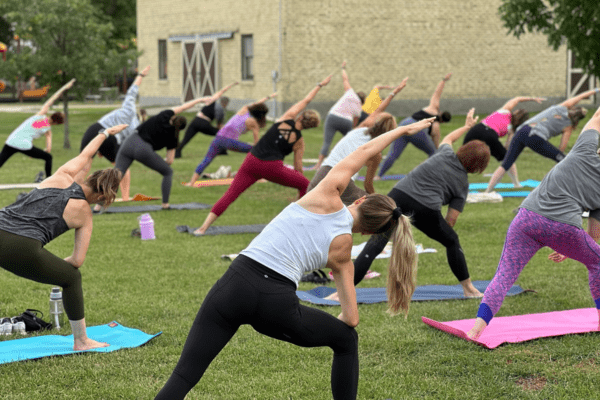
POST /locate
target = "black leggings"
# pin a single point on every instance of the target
(427, 220)
(136, 148)
(27, 258)
(249, 293)
(197, 125)
(34, 152)
(489, 137)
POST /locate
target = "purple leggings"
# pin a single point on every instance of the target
(220, 143)
(528, 233)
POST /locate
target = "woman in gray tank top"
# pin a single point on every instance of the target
(60, 203)
(536, 132)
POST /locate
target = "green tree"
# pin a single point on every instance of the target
(575, 23)
(69, 40)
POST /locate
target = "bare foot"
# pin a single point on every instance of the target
(333, 296)
(472, 293)
(97, 208)
(199, 232)
(518, 186)
(477, 329)
(88, 344)
(188, 184)
(376, 178)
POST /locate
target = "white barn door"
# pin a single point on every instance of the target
(200, 68)
(577, 81)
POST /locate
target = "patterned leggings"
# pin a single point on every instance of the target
(420, 140)
(528, 233)
(253, 169)
(217, 145)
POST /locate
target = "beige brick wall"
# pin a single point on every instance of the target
(383, 41)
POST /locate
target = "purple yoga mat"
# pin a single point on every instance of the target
(521, 328)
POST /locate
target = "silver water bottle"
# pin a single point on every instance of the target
(57, 312)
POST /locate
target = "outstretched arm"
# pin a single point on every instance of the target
(434, 103)
(370, 120)
(138, 79)
(594, 122)
(345, 79)
(55, 96)
(220, 93)
(293, 112)
(512, 103)
(82, 161)
(342, 269)
(340, 175)
(269, 97)
(455, 135)
(572, 102)
(190, 104)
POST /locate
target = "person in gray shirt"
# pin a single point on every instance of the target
(440, 180)
(536, 132)
(551, 217)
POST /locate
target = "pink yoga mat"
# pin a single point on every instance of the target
(521, 328)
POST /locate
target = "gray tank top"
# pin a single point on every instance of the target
(39, 215)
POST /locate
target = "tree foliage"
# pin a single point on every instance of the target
(575, 23)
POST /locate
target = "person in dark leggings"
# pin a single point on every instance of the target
(61, 202)
(536, 132)
(440, 180)
(259, 287)
(213, 110)
(159, 131)
(428, 140)
(21, 139)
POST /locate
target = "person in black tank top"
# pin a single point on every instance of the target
(202, 121)
(265, 160)
(61, 202)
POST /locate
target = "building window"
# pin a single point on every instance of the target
(247, 58)
(162, 59)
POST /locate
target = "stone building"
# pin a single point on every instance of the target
(197, 46)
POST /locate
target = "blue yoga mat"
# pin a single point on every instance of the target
(377, 295)
(386, 177)
(530, 183)
(521, 193)
(30, 348)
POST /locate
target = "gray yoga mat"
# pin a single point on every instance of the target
(155, 207)
(224, 229)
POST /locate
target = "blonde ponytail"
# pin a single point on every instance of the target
(402, 270)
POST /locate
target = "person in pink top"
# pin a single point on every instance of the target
(342, 117)
(499, 124)
(249, 118)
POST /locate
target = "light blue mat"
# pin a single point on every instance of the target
(530, 183)
(521, 193)
(30, 348)
(377, 295)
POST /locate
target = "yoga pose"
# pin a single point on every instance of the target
(342, 117)
(213, 111)
(376, 124)
(265, 160)
(551, 216)
(61, 202)
(20, 140)
(127, 114)
(159, 131)
(440, 180)
(429, 139)
(251, 117)
(259, 287)
(536, 132)
(498, 124)
(372, 102)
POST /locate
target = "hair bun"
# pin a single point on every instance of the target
(397, 213)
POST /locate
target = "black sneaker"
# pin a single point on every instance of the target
(39, 177)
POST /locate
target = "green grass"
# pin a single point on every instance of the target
(159, 286)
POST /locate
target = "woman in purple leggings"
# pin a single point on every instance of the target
(551, 217)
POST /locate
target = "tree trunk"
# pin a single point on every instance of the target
(66, 141)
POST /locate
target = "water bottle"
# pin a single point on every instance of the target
(57, 312)
(146, 227)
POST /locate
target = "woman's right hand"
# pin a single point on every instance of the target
(470, 121)
(115, 129)
(419, 125)
(326, 80)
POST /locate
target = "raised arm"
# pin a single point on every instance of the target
(455, 135)
(564, 139)
(220, 93)
(434, 103)
(82, 161)
(512, 103)
(345, 79)
(594, 122)
(55, 96)
(372, 165)
(190, 104)
(269, 97)
(138, 79)
(572, 102)
(293, 112)
(370, 120)
(339, 176)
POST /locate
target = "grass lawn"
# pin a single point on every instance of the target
(159, 286)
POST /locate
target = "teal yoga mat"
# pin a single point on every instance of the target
(30, 348)
(529, 183)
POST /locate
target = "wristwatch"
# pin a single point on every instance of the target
(103, 132)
